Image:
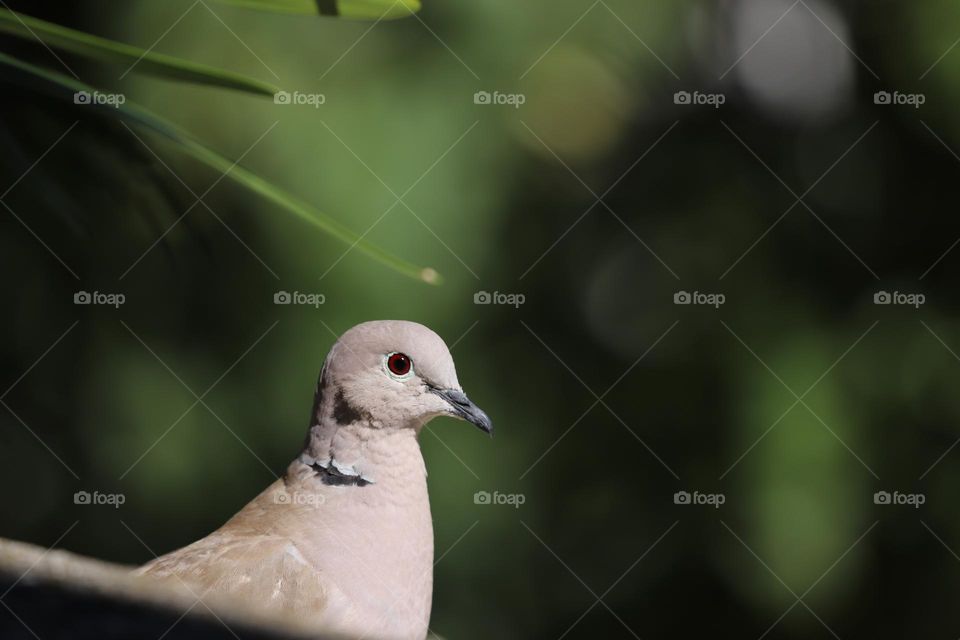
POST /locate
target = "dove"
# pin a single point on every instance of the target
(343, 542)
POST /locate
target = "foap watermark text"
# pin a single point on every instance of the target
(514, 500)
(699, 499)
(510, 299)
(96, 498)
(299, 297)
(698, 98)
(298, 97)
(699, 298)
(99, 297)
(515, 100)
(900, 298)
(910, 99)
(97, 98)
(299, 498)
(899, 499)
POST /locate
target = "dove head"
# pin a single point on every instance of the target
(392, 374)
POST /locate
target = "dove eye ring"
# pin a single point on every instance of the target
(399, 365)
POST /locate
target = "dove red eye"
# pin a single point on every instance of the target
(399, 364)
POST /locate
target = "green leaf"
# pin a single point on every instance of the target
(66, 88)
(103, 49)
(352, 9)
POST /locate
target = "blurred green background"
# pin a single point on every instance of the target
(598, 199)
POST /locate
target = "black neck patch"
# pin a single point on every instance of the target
(343, 411)
(318, 395)
(330, 476)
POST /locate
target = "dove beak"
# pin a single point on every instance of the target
(462, 407)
